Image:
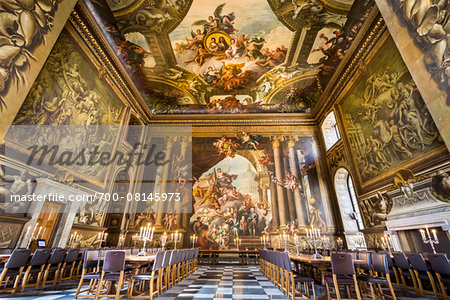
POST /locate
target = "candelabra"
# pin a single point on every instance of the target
(176, 238)
(285, 238)
(102, 236)
(387, 242)
(296, 243)
(314, 236)
(237, 242)
(264, 240)
(163, 240)
(73, 239)
(34, 235)
(194, 240)
(427, 239)
(146, 235)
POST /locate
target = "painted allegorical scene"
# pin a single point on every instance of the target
(72, 94)
(386, 120)
(229, 57)
(230, 44)
(235, 186)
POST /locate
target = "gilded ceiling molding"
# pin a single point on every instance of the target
(153, 16)
(369, 34)
(348, 70)
(428, 24)
(85, 28)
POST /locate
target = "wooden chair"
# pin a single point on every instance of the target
(380, 267)
(164, 282)
(90, 271)
(54, 265)
(441, 267)
(36, 268)
(113, 271)
(422, 272)
(156, 273)
(405, 271)
(343, 273)
(295, 280)
(69, 265)
(13, 270)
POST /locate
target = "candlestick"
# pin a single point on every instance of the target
(146, 236)
(427, 239)
(163, 240)
(314, 238)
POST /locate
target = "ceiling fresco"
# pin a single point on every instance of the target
(218, 56)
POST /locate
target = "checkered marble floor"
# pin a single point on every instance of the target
(237, 282)
(221, 281)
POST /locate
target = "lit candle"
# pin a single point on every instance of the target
(422, 232)
(142, 230)
(434, 234)
(318, 230)
(307, 234)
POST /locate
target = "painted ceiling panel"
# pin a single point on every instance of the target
(218, 56)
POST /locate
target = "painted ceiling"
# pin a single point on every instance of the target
(219, 56)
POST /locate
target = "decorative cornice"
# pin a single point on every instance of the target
(367, 37)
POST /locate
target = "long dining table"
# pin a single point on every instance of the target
(322, 264)
(136, 260)
(215, 253)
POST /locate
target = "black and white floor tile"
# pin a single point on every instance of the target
(219, 282)
(216, 282)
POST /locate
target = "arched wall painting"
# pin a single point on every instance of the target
(235, 191)
(232, 207)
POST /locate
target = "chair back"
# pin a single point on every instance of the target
(401, 261)
(167, 257)
(367, 257)
(417, 262)
(342, 264)
(72, 255)
(18, 259)
(40, 257)
(439, 263)
(380, 262)
(114, 261)
(287, 262)
(57, 256)
(91, 258)
(159, 259)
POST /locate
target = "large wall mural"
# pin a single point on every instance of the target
(28, 31)
(237, 188)
(386, 120)
(69, 91)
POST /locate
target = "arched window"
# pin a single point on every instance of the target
(348, 203)
(330, 130)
